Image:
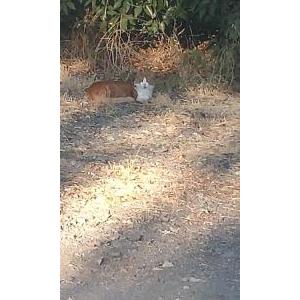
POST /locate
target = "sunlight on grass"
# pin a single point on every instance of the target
(131, 181)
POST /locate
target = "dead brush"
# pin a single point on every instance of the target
(114, 51)
(196, 64)
(77, 66)
(81, 46)
(74, 86)
(164, 57)
(165, 64)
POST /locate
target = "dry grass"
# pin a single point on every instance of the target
(130, 182)
(74, 77)
(171, 166)
(123, 163)
(165, 63)
(75, 67)
(164, 57)
(115, 185)
(163, 99)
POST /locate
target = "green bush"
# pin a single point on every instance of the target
(217, 20)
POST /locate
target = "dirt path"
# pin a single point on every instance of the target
(150, 199)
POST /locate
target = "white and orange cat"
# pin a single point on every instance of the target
(109, 91)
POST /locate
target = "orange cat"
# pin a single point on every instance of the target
(109, 91)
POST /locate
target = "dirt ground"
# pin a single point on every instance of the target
(150, 198)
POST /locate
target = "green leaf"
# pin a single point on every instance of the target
(111, 13)
(160, 4)
(148, 11)
(137, 11)
(123, 23)
(162, 26)
(170, 12)
(64, 8)
(154, 3)
(113, 21)
(127, 7)
(71, 5)
(148, 23)
(118, 4)
(132, 21)
(87, 3)
(154, 27)
(124, 10)
(129, 17)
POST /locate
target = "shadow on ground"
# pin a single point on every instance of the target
(203, 265)
(83, 131)
(84, 135)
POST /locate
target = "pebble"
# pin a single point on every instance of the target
(157, 269)
(100, 261)
(191, 279)
(194, 280)
(167, 264)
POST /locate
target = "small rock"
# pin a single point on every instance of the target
(186, 287)
(184, 279)
(100, 261)
(157, 269)
(167, 264)
(194, 280)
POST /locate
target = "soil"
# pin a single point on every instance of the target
(150, 199)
